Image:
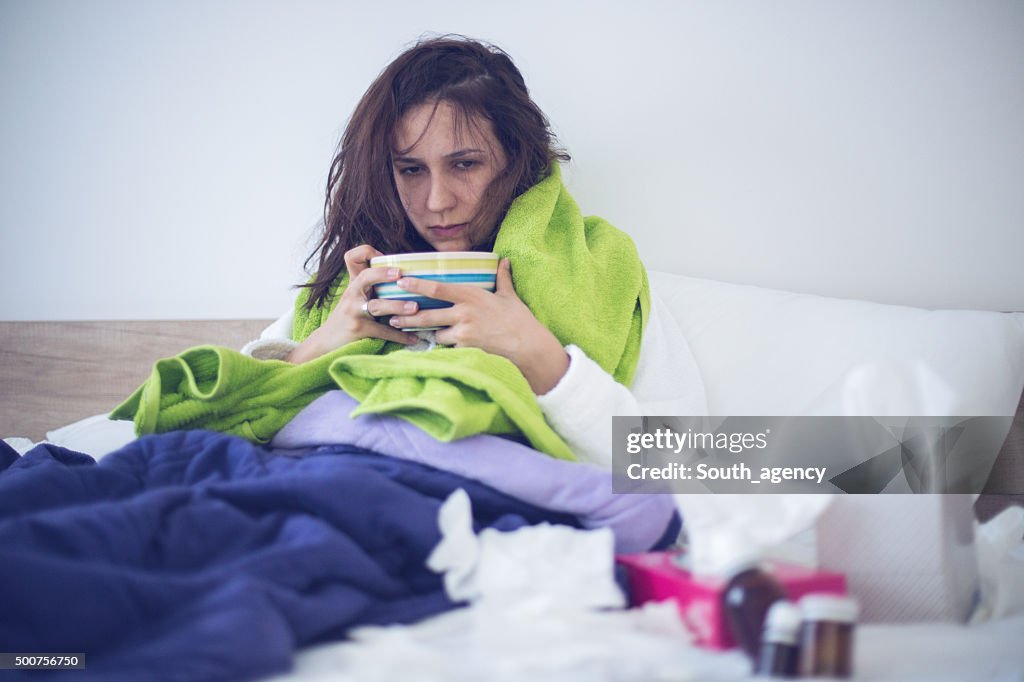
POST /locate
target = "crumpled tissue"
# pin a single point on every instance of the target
(550, 565)
(723, 531)
(543, 607)
(1000, 565)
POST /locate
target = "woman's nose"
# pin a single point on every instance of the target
(441, 197)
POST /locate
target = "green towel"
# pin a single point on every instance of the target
(220, 389)
(581, 277)
(450, 393)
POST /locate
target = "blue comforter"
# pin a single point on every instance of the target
(195, 555)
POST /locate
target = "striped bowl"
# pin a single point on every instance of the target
(470, 268)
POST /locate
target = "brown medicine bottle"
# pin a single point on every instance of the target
(779, 643)
(826, 636)
(746, 599)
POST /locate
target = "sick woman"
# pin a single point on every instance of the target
(446, 151)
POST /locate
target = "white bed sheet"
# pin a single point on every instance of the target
(644, 649)
(926, 652)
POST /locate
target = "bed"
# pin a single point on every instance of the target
(63, 374)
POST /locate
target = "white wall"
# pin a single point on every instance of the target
(167, 159)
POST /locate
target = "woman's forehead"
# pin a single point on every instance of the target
(435, 126)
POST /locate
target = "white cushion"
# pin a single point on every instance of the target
(764, 352)
(96, 435)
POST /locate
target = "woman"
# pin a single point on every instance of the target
(433, 157)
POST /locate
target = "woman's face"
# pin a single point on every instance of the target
(441, 174)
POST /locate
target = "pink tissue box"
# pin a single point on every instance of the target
(656, 577)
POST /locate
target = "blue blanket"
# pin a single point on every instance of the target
(638, 521)
(195, 555)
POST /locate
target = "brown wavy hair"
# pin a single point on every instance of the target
(480, 82)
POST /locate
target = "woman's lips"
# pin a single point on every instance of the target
(447, 230)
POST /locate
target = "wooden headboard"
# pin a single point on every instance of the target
(55, 373)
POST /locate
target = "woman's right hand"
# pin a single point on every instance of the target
(353, 318)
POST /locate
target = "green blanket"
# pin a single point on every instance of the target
(581, 277)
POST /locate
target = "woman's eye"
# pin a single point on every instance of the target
(409, 170)
(465, 164)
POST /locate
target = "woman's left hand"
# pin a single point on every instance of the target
(498, 323)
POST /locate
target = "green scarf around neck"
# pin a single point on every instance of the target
(581, 277)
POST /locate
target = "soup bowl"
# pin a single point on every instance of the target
(465, 268)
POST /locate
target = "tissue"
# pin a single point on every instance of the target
(541, 607)
(724, 530)
(542, 565)
(473, 644)
(1001, 566)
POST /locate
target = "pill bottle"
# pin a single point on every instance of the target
(748, 594)
(826, 635)
(779, 642)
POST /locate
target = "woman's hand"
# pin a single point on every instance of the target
(498, 323)
(353, 318)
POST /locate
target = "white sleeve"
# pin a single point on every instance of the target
(275, 342)
(667, 382)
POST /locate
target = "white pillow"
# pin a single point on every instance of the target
(96, 435)
(764, 352)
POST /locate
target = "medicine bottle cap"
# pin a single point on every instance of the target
(782, 623)
(829, 607)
